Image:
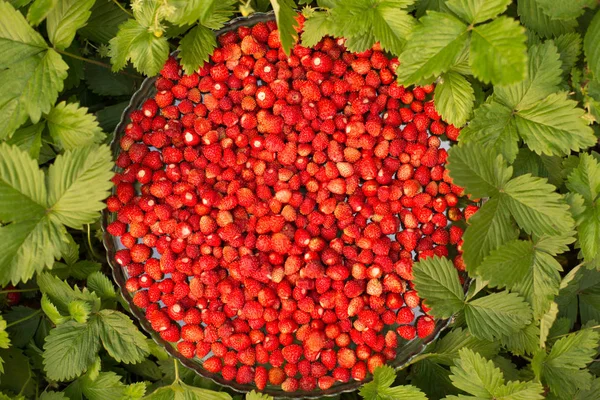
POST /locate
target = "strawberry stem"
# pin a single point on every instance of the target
(33, 314)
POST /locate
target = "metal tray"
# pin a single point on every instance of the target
(405, 353)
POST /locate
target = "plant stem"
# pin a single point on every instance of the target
(89, 238)
(176, 370)
(33, 314)
(95, 62)
(19, 290)
(122, 8)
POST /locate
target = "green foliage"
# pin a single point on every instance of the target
(520, 77)
(381, 387)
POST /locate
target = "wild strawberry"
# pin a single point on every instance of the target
(407, 332)
(425, 326)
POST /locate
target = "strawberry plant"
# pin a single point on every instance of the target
(466, 129)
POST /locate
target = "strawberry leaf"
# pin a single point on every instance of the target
(554, 126)
(532, 16)
(432, 48)
(286, 23)
(479, 377)
(476, 11)
(71, 126)
(65, 19)
(380, 388)
(39, 10)
(70, 348)
(437, 282)
(549, 217)
(490, 227)
(478, 169)
(196, 47)
(78, 181)
(496, 315)
(493, 126)
(569, 47)
(562, 369)
(179, 390)
(565, 10)
(543, 79)
(121, 338)
(318, 25)
(18, 40)
(498, 52)
(454, 97)
(590, 46)
(134, 42)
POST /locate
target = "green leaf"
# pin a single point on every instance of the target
(566, 10)
(550, 167)
(554, 126)
(286, 23)
(550, 217)
(446, 349)
(542, 80)
(532, 16)
(51, 311)
(585, 179)
(107, 386)
(437, 282)
(4, 341)
(588, 229)
(213, 14)
(79, 311)
(134, 391)
(541, 283)
(71, 126)
(30, 87)
(29, 139)
(562, 368)
(120, 337)
(490, 227)
(104, 82)
(254, 395)
(61, 294)
(69, 349)
(53, 396)
(22, 332)
(391, 26)
(433, 47)
(498, 51)
(508, 264)
(379, 388)
(99, 283)
(569, 47)
(432, 378)
(134, 42)
(546, 323)
(590, 45)
(525, 341)
(493, 126)
(196, 48)
(39, 10)
(315, 28)
(18, 376)
(476, 11)
(180, 391)
(22, 188)
(65, 19)
(27, 247)
(104, 22)
(478, 169)
(496, 315)
(454, 97)
(18, 40)
(78, 181)
(479, 377)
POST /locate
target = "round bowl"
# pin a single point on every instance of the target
(405, 353)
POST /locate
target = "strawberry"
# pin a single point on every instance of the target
(187, 349)
(425, 326)
(407, 332)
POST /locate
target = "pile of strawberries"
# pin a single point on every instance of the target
(270, 209)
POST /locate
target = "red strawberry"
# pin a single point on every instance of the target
(425, 326)
(407, 332)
